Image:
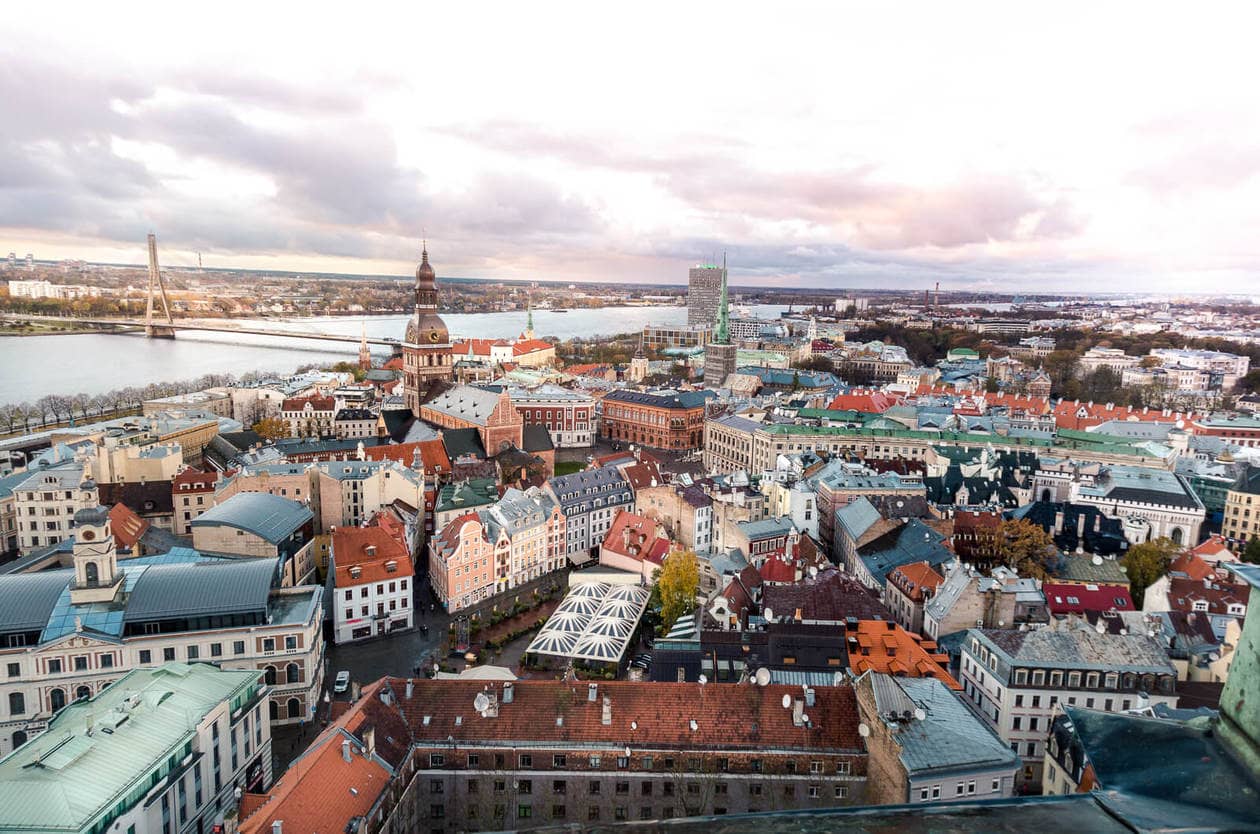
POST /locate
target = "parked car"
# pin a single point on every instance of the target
(343, 682)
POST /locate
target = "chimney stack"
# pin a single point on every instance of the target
(410, 688)
(369, 742)
(277, 827)
(507, 692)
(606, 717)
(1058, 522)
(345, 749)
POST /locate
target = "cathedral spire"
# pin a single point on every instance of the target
(529, 320)
(721, 333)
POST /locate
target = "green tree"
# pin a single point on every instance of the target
(1251, 553)
(1027, 548)
(1147, 562)
(676, 582)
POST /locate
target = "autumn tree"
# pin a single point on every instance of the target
(271, 428)
(1026, 548)
(1147, 562)
(676, 583)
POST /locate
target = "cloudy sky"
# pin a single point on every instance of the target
(1011, 146)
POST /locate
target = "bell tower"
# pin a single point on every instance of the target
(96, 574)
(426, 347)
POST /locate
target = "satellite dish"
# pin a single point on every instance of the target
(864, 731)
(1097, 560)
(627, 752)
(762, 676)
(703, 680)
(481, 703)
(768, 614)
(787, 701)
(920, 714)
(634, 725)
(804, 718)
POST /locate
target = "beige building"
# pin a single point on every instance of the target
(261, 526)
(44, 504)
(1242, 510)
(116, 463)
(68, 646)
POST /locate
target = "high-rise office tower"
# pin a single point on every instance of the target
(720, 355)
(704, 285)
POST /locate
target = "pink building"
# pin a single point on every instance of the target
(634, 543)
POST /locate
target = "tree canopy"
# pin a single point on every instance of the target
(1147, 562)
(677, 582)
(1027, 548)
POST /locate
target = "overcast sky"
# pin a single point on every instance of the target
(1017, 146)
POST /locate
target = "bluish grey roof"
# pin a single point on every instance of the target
(577, 492)
(766, 527)
(913, 542)
(269, 517)
(169, 591)
(26, 599)
(857, 517)
(949, 737)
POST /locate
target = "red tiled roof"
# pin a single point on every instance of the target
(643, 474)
(886, 647)
(395, 363)
(1214, 549)
(1064, 598)
(1184, 593)
(350, 549)
(191, 480)
(432, 454)
(586, 370)
(777, 570)
(126, 525)
(525, 346)
(1073, 414)
(320, 791)
(868, 402)
(913, 578)
(1191, 566)
(635, 536)
(318, 403)
(727, 717)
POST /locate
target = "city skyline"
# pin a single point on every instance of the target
(807, 147)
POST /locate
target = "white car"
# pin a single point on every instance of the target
(343, 681)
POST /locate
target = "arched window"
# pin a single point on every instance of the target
(1177, 535)
(19, 738)
(57, 699)
(273, 710)
(92, 573)
(295, 708)
(83, 693)
(269, 675)
(1045, 495)
(293, 673)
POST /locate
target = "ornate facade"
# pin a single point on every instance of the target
(427, 346)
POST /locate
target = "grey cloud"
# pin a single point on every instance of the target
(1211, 165)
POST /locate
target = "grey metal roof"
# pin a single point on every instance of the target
(27, 598)
(1074, 644)
(949, 736)
(201, 588)
(269, 517)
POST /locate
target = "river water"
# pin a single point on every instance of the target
(36, 366)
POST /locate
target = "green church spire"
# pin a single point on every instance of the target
(722, 332)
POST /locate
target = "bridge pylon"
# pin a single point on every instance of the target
(157, 286)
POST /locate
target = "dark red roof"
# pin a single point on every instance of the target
(1063, 598)
(1219, 596)
(831, 596)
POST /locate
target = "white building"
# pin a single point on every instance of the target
(1016, 679)
(163, 750)
(67, 634)
(45, 504)
(372, 584)
(589, 500)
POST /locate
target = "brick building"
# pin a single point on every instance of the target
(492, 414)
(192, 493)
(660, 419)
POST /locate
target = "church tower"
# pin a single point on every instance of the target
(427, 346)
(96, 574)
(529, 321)
(720, 354)
(639, 364)
(365, 355)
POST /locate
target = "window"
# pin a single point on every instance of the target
(622, 788)
(17, 704)
(290, 643)
(971, 787)
(437, 760)
(168, 654)
(1019, 700)
(238, 647)
(15, 669)
(107, 661)
(813, 791)
(559, 786)
(557, 812)
(54, 666)
(923, 794)
(473, 760)
(623, 761)
(593, 788)
(269, 644)
(146, 656)
(997, 785)
(842, 791)
(526, 760)
(815, 767)
(194, 652)
(936, 791)
(842, 768)
(1016, 722)
(525, 786)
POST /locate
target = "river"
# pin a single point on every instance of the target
(36, 366)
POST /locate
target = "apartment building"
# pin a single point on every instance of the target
(45, 502)
(589, 500)
(568, 415)
(1015, 680)
(309, 416)
(372, 583)
(192, 493)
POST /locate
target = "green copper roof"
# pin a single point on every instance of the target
(67, 779)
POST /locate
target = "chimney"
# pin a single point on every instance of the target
(369, 742)
(798, 712)
(809, 697)
(410, 688)
(508, 692)
(592, 690)
(1058, 522)
(277, 827)
(606, 717)
(345, 749)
